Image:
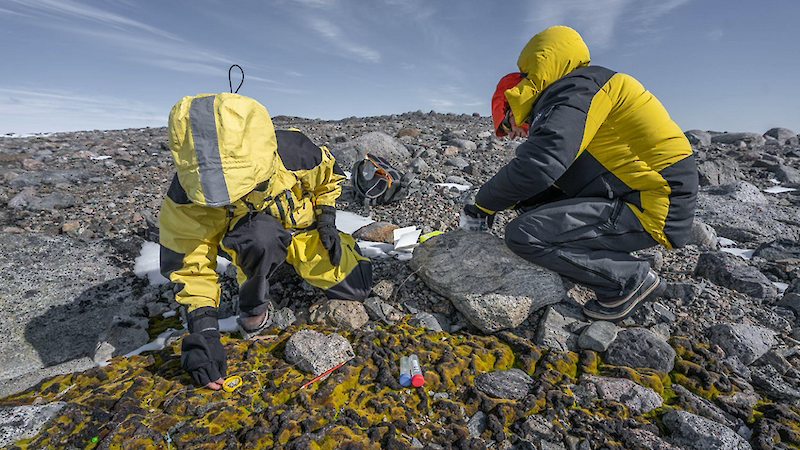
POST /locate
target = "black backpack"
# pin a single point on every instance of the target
(376, 182)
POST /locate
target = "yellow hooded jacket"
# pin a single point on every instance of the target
(595, 133)
(230, 162)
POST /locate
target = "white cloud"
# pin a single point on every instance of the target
(450, 98)
(70, 11)
(334, 35)
(715, 34)
(317, 3)
(21, 111)
(600, 22)
(140, 43)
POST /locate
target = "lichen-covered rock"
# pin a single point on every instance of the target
(125, 334)
(770, 381)
(637, 398)
(718, 171)
(747, 342)
(779, 250)
(787, 175)
(491, 286)
(512, 383)
(703, 235)
(733, 272)
(65, 285)
(639, 347)
(137, 402)
(752, 139)
(316, 352)
(21, 422)
(346, 314)
(554, 330)
(698, 137)
(741, 191)
(781, 135)
(598, 336)
(692, 432)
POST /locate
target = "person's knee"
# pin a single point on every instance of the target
(524, 242)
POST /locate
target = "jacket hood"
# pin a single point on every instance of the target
(548, 56)
(223, 145)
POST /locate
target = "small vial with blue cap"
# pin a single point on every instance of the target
(405, 371)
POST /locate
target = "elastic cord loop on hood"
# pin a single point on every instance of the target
(229, 78)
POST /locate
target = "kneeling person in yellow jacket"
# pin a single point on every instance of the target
(263, 197)
(603, 172)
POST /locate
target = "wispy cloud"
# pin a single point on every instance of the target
(715, 34)
(140, 43)
(600, 22)
(335, 36)
(20, 110)
(317, 3)
(67, 9)
(450, 98)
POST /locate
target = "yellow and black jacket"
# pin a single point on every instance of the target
(595, 133)
(224, 173)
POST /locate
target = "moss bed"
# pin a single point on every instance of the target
(148, 402)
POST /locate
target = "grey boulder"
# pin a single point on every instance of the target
(512, 383)
(317, 352)
(491, 286)
(692, 432)
(747, 342)
(640, 347)
(731, 271)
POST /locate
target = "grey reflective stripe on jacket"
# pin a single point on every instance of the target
(204, 134)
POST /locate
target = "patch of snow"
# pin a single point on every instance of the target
(460, 187)
(746, 254)
(156, 344)
(778, 190)
(375, 249)
(781, 286)
(228, 324)
(148, 264)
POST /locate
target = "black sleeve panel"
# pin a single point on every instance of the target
(297, 151)
(337, 170)
(554, 140)
(682, 179)
(176, 193)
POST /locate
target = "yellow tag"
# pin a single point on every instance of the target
(232, 383)
(427, 236)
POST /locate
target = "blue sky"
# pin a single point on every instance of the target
(80, 65)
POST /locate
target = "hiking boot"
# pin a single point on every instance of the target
(251, 326)
(622, 308)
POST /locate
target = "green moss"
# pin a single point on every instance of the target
(137, 400)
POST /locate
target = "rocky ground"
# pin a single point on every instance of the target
(508, 363)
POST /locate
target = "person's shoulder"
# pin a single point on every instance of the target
(297, 151)
(598, 74)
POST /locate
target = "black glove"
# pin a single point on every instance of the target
(477, 213)
(202, 354)
(328, 234)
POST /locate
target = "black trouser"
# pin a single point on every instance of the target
(587, 240)
(258, 244)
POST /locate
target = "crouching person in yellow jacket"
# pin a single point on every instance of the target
(263, 197)
(603, 172)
